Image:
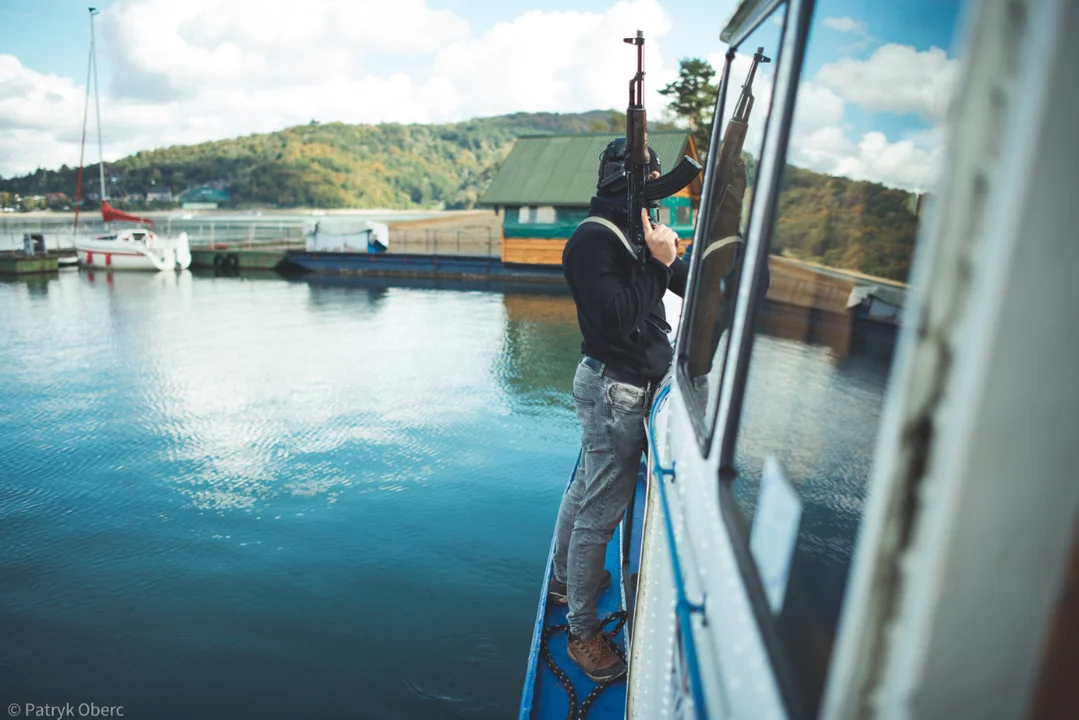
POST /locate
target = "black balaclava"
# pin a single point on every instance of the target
(611, 180)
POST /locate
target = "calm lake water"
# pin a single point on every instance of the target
(244, 497)
(324, 498)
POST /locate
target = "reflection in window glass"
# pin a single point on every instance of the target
(720, 246)
(683, 215)
(864, 149)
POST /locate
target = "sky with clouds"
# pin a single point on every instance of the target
(875, 87)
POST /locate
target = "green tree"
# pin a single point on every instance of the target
(693, 99)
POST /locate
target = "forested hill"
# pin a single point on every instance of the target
(331, 165)
(837, 221)
(845, 223)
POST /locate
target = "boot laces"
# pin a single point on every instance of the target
(597, 649)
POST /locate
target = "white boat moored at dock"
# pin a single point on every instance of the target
(134, 250)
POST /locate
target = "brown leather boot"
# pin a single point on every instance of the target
(596, 657)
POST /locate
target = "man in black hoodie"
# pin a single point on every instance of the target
(626, 352)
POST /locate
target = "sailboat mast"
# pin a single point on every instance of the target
(82, 145)
(97, 107)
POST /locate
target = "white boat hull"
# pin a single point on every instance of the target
(125, 253)
(99, 259)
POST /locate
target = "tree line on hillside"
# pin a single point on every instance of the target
(330, 165)
(852, 224)
(839, 222)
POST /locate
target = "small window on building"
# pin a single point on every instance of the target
(664, 215)
(545, 214)
(683, 215)
(524, 215)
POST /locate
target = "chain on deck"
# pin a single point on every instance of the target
(575, 713)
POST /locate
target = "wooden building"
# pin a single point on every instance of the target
(544, 187)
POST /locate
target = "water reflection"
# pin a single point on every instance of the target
(540, 350)
(290, 486)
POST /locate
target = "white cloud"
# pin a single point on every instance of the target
(897, 79)
(822, 137)
(845, 24)
(899, 163)
(544, 61)
(821, 140)
(203, 70)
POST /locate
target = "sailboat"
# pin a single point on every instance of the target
(123, 249)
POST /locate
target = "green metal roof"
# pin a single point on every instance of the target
(561, 169)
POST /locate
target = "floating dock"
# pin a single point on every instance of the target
(418, 266)
(18, 263)
(233, 258)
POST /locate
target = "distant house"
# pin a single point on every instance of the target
(544, 187)
(205, 198)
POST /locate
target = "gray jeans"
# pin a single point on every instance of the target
(612, 416)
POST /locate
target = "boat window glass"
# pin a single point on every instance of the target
(864, 154)
(718, 246)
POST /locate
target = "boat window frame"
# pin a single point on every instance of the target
(702, 429)
(706, 423)
(794, 40)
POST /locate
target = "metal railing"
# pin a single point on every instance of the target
(478, 240)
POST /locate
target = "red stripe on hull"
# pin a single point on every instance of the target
(90, 254)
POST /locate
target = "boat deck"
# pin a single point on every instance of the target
(544, 696)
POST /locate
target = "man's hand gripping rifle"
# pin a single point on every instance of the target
(644, 192)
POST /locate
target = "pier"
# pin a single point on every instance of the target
(15, 262)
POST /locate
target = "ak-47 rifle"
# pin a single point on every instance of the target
(721, 240)
(643, 192)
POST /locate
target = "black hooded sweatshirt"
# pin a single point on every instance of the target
(619, 301)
